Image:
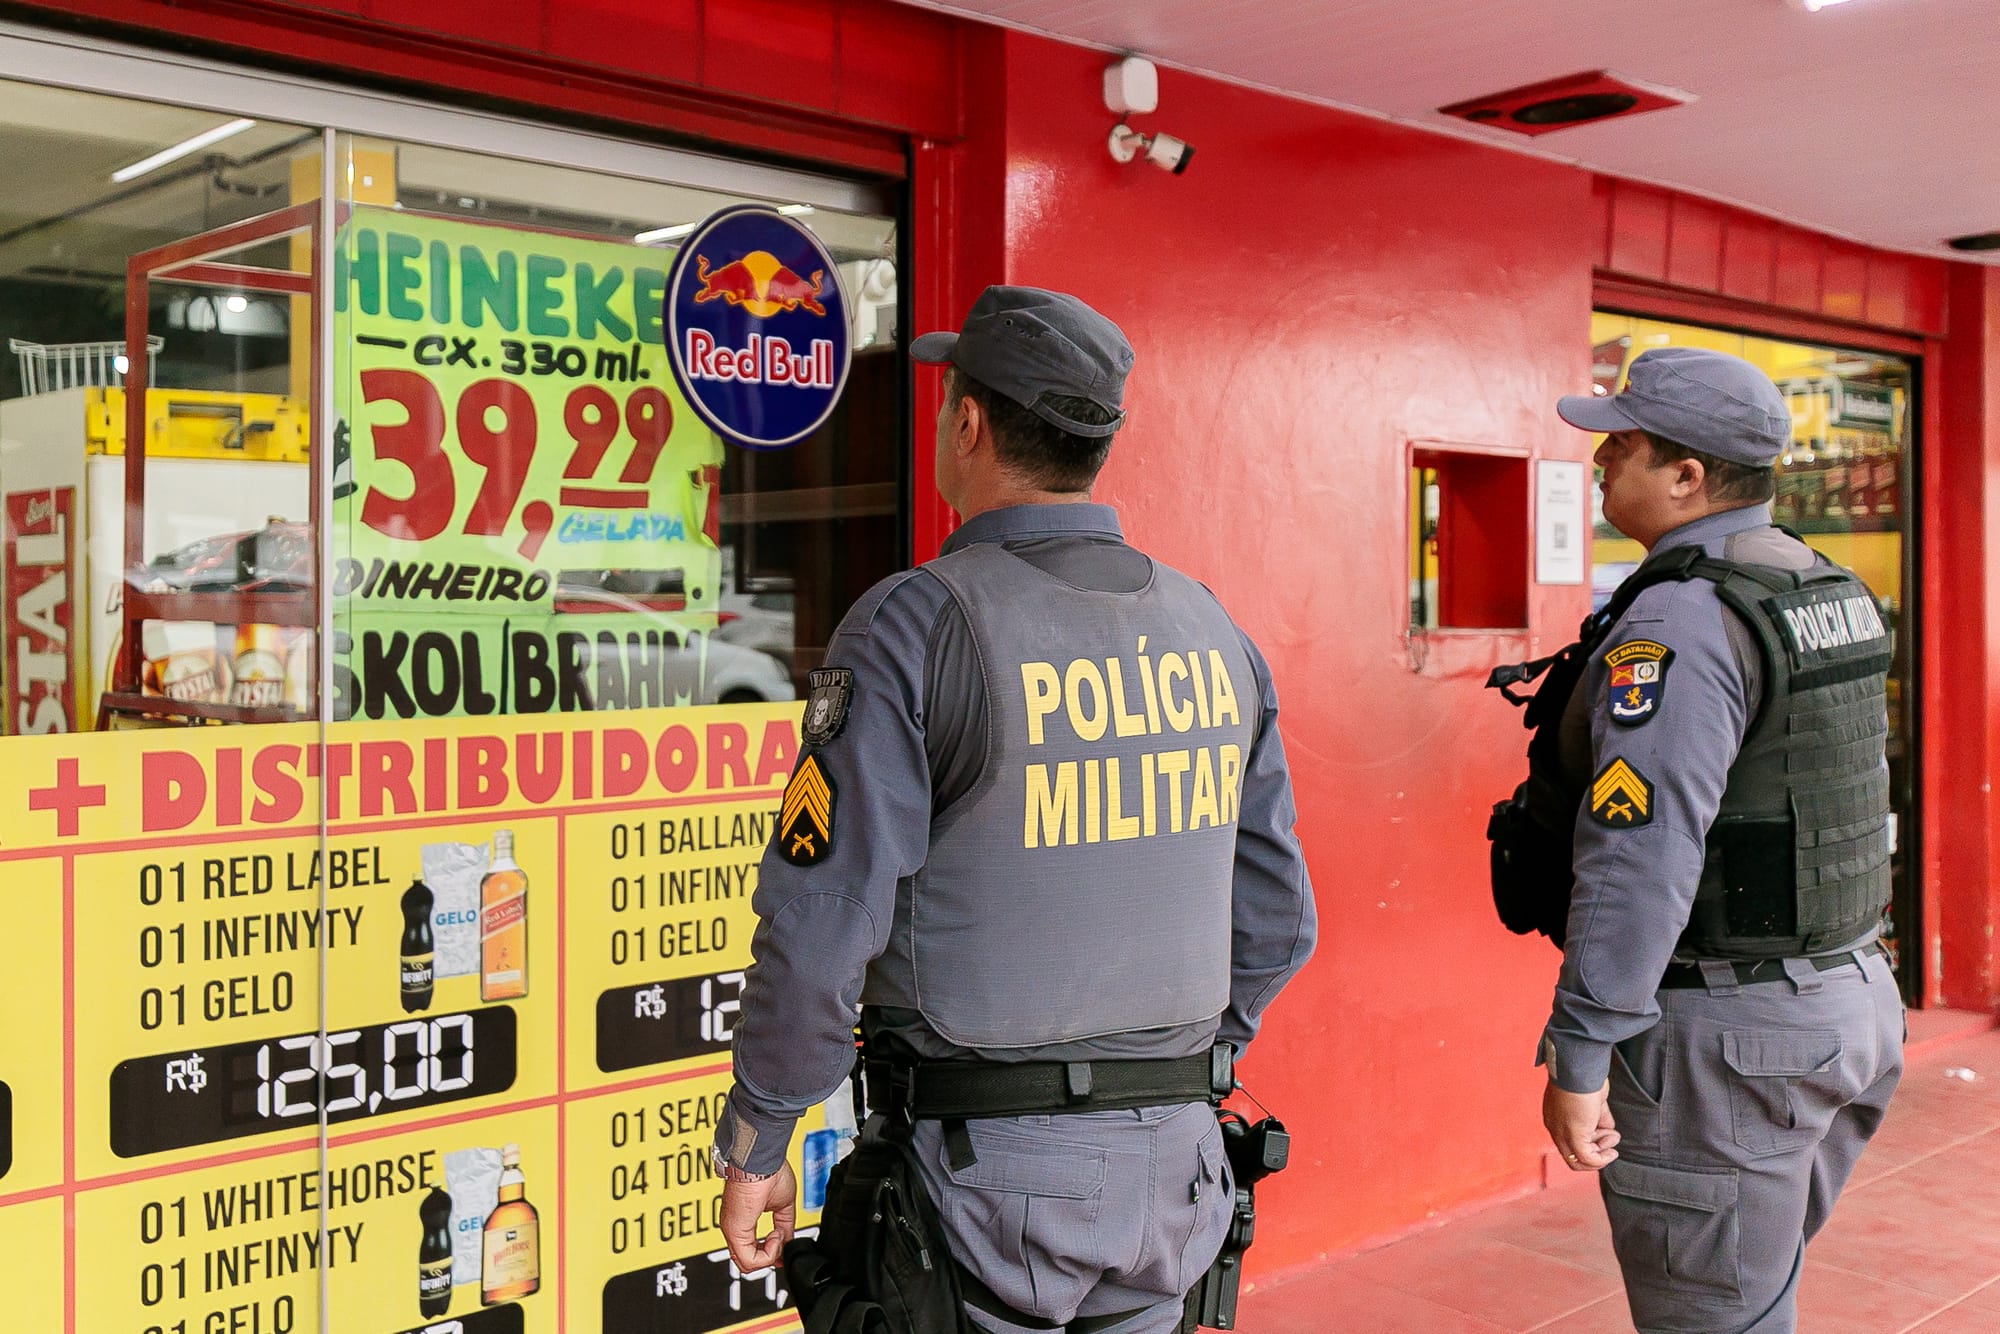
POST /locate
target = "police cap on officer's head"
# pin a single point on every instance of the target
(1025, 342)
(1709, 402)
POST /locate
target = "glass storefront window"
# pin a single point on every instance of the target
(438, 676)
(1843, 485)
(120, 217)
(528, 516)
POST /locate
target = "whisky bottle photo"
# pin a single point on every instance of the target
(511, 1247)
(503, 925)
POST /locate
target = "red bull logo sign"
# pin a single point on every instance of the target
(759, 283)
(757, 327)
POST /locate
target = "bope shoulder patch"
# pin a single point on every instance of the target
(1636, 685)
(805, 824)
(832, 688)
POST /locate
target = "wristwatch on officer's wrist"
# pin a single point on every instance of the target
(729, 1171)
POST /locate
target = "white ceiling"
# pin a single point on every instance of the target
(1877, 120)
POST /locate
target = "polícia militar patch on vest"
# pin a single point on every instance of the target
(805, 823)
(1637, 684)
(1620, 797)
(1832, 632)
(826, 705)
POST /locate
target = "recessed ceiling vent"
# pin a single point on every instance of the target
(1576, 99)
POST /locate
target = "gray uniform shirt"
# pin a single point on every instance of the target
(1635, 887)
(914, 740)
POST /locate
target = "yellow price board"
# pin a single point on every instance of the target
(31, 1053)
(645, 1211)
(452, 1061)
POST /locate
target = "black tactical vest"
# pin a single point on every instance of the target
(1797, 861)
(1798, 857)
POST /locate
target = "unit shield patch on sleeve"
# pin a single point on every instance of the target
(1637, 683)
(826, 706)
(1620, 797)
(805, 826)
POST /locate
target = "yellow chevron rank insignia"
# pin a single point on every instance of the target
(1620, 797)
(805, 825)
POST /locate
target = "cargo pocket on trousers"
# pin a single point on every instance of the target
(1771, 1100)
(1023, 1217)
(1211, 1206)
(1676, 1230)
(1637, 1086)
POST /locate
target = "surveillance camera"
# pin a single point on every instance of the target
(1162, 150)
(1169, 154)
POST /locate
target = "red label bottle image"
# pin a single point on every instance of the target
(503, 925)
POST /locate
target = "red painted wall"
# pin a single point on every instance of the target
(828, 80)
(1315, 293)
(1962, 489)
(1318, 294)
(1695, 245)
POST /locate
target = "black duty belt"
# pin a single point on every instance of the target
(970, 1090)
(1686, 976)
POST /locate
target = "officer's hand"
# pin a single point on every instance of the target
(1581, 1127)
(744, 1203)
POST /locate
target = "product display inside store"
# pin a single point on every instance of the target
(573, 537)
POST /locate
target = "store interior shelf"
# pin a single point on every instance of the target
(127, 704)
(286, 609)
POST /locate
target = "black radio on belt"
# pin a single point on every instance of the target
(1255, 1150)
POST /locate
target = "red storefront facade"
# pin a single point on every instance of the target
(1318, 295)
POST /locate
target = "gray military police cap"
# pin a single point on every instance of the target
(1701, 400)
(1025, 342)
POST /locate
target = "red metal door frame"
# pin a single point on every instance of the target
(193, 261)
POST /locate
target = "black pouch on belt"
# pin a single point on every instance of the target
(1531, 874)
(879, 1264)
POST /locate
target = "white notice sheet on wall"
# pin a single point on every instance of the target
(1560, 523)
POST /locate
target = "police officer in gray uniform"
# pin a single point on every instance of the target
(1726, 1031)
(1042, 825)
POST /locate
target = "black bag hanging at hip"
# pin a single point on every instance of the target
(1530, 862)
(879, 1265)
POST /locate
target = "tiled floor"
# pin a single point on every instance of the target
(1914, 1244)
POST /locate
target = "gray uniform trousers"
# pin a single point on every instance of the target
(1742, 1113)
(1085, 1214)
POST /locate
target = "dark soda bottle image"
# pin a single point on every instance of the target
(434, 1255)
(419, 963)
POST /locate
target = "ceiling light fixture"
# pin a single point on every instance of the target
(1815, 6)
(666, 233)
(180, 150)
(680, 229)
